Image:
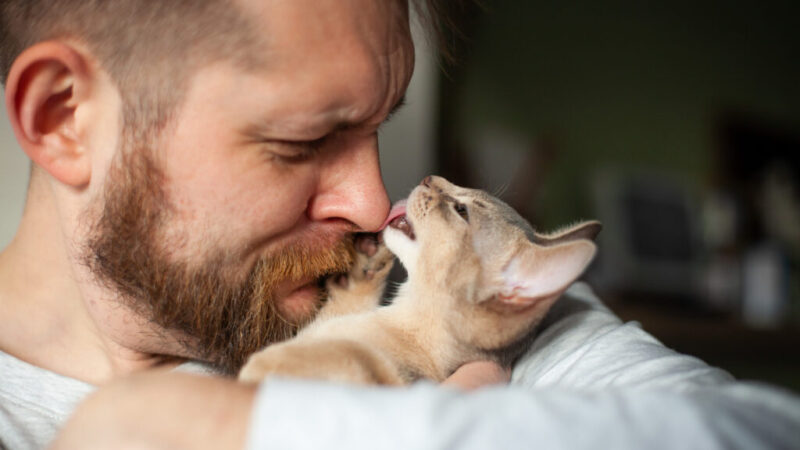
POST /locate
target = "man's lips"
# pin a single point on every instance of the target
(300, 303)
(290, 287)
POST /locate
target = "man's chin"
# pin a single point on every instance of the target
(301, 304)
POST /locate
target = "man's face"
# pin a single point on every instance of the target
(260, 177)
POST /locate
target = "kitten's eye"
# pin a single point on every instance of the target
(461, 209)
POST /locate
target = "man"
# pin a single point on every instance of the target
(198, 166)
(170, 195)
(194, 176)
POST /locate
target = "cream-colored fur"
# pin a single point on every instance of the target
(479, 281)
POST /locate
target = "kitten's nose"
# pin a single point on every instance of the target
(427, 181)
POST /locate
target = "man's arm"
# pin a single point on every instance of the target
(588, 381)
(162, 411)
(583, 345)
(171, 410)
(302, 415)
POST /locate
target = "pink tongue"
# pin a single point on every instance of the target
(399, 209)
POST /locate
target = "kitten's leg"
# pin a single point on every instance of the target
(340, 360)
(361, 289)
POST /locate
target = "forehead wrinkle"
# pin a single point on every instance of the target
(389, 56)
(380, 62)
(331, 118)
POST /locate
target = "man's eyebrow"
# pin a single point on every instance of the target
(259, 130)
(400, 103)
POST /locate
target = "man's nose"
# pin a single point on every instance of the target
(350, 186)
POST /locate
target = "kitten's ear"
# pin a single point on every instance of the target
(584, 230)
(538, 272)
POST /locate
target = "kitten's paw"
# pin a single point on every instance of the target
(361, 288)
(372, 265)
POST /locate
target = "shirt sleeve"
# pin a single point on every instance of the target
(588, 381)
(583, 345)
(304, 415)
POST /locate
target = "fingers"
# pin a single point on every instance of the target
(478, 374)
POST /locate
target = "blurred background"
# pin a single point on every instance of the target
(677, 124)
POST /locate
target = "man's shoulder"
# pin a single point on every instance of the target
(582, 344)
(34, 402)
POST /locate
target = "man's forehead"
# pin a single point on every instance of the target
(310, 86)
(314, 21)
(330, 62)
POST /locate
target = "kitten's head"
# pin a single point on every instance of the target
(499, 275)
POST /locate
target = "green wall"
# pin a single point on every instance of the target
(629, 84)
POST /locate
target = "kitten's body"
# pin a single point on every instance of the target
(480, 280)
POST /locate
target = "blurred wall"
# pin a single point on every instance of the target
(626, 82)
(407, 141)
(14, 169)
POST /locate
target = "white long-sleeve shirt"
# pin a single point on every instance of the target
(588, 381)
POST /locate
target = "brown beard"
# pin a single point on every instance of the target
(218, 320)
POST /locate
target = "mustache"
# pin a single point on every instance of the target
(311, 254)
(243, 321)
(218, 306)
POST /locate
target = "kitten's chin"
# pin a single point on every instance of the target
(405, 248)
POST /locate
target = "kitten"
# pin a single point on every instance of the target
(479, 281)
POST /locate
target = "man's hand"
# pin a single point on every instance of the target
(478, 374)
(161, 411)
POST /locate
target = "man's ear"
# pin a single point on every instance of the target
(46, 85)
(538, 272)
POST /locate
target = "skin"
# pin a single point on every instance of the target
(333, 78)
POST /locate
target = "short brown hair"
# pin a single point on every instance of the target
(126, 36)
(170, 39)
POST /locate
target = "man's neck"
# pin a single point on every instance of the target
(54, 320)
